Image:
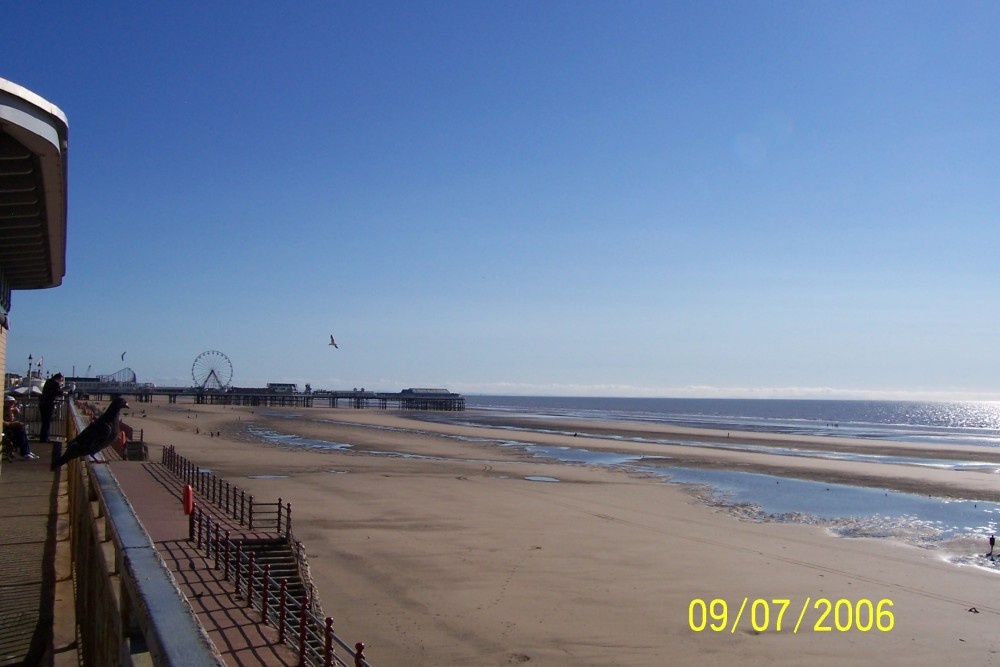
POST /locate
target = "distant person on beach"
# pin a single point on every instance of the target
(13, 428)
(51, 390)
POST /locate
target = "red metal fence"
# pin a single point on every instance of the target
(229, 498)
(310, 636)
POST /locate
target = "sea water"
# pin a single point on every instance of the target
(964, 423)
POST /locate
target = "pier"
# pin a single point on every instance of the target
(408, 399)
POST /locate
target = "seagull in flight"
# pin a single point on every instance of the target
(333, 342)
(123, 356)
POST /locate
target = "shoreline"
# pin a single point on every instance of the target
(601, 436)
(447, 553)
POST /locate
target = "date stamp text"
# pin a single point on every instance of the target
(781, 615)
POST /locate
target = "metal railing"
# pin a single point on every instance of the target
(32, 420)
(229, 498)
(128, 608)
(275, 518)
(311, 636)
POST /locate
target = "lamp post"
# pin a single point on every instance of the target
(29, 370)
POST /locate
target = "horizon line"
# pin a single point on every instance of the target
(566, 390)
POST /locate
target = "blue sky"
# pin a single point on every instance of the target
(564, 197)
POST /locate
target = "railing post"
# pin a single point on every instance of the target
(250, 568)
(243, 507)
(215, 542)
(288, 519)
(239, 562)
(251, 513)
(201, 523)
(328, 646)
(191, 526)
(302, 630)
(279, 517)
(227, 497)
(265, 593)
(282, 609)
(228, 546)
(359, 654)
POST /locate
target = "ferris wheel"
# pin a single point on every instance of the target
(212, 370)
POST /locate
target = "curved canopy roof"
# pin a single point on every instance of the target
(33, 143)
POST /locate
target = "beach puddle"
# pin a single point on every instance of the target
(294, 440)
(850, 511)
(266, 476)
(956, 526)
(981, 561)
(280, 415)
(586, 456)
(574, 454)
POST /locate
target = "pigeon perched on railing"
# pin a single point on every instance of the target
(96, 436)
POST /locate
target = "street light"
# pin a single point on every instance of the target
(29, 370)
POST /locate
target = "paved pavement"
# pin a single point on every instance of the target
(35, 587)
(28, 500)
(156, 495)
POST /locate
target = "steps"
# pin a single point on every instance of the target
(277, 553)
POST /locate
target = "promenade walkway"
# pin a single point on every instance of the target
(37, 617)
(28, 516)
(156, 496)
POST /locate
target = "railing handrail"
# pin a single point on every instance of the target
(229, 498)
(222, 495)
(241, 568)
(167, 623)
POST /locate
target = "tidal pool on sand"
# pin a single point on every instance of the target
(944, 517)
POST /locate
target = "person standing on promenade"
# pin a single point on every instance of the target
(51, 390)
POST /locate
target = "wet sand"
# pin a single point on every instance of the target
(455, 555)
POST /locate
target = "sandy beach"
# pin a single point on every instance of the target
(460, 551)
